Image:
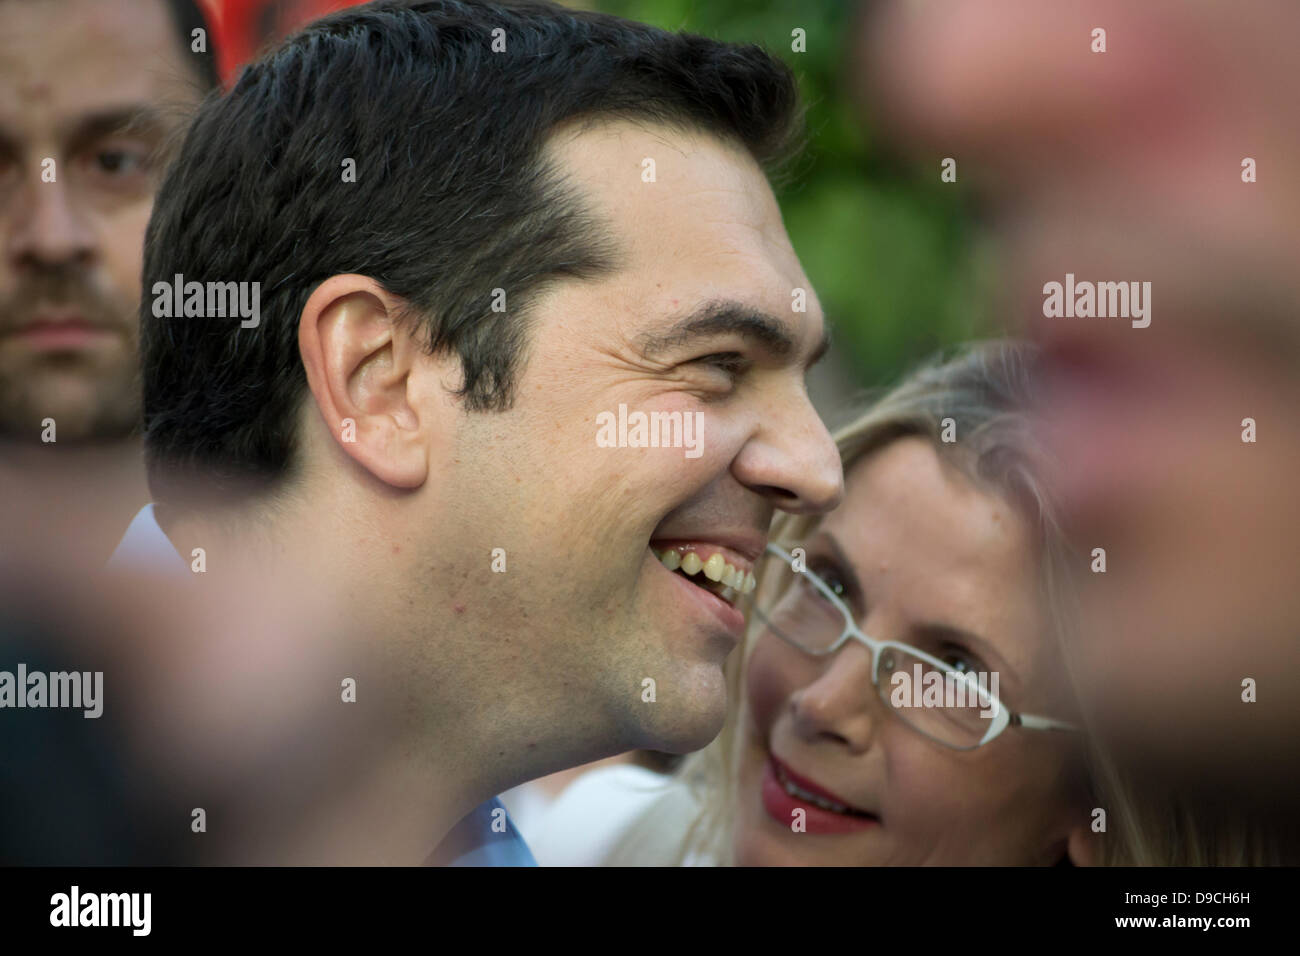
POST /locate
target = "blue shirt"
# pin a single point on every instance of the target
(474, 841)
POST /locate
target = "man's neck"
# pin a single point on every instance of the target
(290, 609)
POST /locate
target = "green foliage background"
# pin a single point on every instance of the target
(889, 248)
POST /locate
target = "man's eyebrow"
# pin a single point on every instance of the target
(139, 119)
(724, 317)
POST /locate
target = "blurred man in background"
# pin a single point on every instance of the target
(90, 91)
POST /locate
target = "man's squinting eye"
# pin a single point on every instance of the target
(731, 363)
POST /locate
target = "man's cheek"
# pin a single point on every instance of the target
(121, 242)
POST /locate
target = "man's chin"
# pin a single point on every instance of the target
(685, 712)
(69, 413)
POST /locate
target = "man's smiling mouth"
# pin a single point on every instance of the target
(727, 576)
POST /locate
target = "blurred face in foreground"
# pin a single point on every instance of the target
(1179, 456)
(1141, 164)
(923, 557)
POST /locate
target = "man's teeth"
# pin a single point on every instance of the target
(715, 568)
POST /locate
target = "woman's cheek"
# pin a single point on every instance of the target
(769, 682)
(924, 791)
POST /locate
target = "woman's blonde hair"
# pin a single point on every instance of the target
(974, 408)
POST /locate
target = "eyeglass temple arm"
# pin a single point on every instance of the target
(1031, 722)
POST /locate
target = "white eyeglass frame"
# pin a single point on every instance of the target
(1003, 717)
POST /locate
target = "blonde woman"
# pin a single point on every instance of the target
(943, 559)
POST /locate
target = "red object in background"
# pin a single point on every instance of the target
(241, 28)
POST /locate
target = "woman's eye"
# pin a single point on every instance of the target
(961, 661)
(832, 579)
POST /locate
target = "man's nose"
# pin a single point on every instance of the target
(793, 460)
(47, 228)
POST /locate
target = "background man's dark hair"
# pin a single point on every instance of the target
(451, 199)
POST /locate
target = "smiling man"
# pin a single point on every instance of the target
(477, 229)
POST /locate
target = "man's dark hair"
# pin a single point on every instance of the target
(187, 17)
(451, 200)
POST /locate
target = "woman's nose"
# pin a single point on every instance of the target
(840, 701)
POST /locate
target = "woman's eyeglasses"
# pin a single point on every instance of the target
(955, 708)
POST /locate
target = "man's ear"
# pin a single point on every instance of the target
(358, 364)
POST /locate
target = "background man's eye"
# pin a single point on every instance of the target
(116, 161)
(124, 165)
